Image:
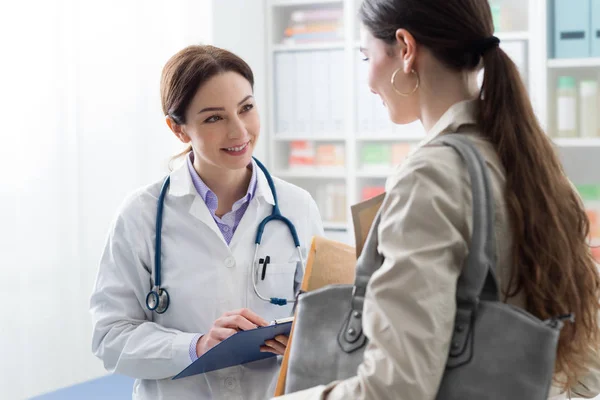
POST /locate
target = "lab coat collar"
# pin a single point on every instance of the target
(181, 181)
(182, 184)
(458, 115)
(263, 191)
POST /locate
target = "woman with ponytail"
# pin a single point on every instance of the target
(424, 58)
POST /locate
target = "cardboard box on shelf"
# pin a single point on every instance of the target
(302, 154)
(590, 194)
(399, 152)
(375, 155)
(368, 192)
(330, 155)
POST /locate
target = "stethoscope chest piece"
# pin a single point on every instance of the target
(158, 300)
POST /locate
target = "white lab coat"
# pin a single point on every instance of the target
(204, 277)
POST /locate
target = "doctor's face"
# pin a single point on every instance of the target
(382, 65)
(222, 122)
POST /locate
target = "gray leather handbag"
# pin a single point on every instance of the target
(497, 351)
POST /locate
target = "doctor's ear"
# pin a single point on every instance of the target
(406, 46)
(177, 129)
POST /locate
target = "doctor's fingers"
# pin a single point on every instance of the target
(283, 339)
(235, 322)
(273, 346)
(249, 315)
(219, 334)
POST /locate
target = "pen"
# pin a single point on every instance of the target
(264, 269)
(282, 320)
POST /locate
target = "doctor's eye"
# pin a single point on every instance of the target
(212, 119)
(364, 58)
(247, 107)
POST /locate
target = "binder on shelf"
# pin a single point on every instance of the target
(331, 200)
(364, 111)
(572, 28)
(595, 28)
(285, 93)
(337, 89)
(302, 122)
(320, 94)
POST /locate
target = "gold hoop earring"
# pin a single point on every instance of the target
(394, 83)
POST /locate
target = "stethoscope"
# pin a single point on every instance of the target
(158, 298)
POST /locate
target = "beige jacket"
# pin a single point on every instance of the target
(424, 237)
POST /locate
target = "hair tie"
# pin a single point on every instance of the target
(482, 46)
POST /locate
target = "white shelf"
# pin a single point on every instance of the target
(317, 138)
(277, 48)
(574, 63)
(335, 226)
(539, 72)
(577, 142)
(379, 173)
(513, 36)
(312, 173)
(287, 3)
(390, 138)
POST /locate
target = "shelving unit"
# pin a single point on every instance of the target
(525, 39)
(568, 63)
(308, 47)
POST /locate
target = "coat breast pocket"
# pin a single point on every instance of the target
(278, 283)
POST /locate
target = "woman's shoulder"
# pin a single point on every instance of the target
(141, 202)
(444, 164)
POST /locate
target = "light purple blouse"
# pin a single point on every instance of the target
(228, 223)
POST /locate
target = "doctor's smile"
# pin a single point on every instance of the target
(237, 150)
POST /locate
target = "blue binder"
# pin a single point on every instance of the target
(572, 28)
(595, 28)
(241, 348)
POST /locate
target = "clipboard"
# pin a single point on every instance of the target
(241, 348)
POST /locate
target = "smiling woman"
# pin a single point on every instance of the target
(151, 323)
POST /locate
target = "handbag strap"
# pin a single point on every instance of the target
(478, 278)
(474, 282)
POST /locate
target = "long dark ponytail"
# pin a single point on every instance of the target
(552, 263)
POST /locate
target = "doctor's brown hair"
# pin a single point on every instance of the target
(188, 70)
(552, 262)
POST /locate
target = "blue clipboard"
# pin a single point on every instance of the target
(241, 348)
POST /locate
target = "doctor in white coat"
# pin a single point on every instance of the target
(216, 199)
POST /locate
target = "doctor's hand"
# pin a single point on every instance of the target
(227, 325)
(275, 346)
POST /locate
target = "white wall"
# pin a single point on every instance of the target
(82, 127)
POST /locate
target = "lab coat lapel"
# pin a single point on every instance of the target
(259, 208)
(200, 211)
(182, 185)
